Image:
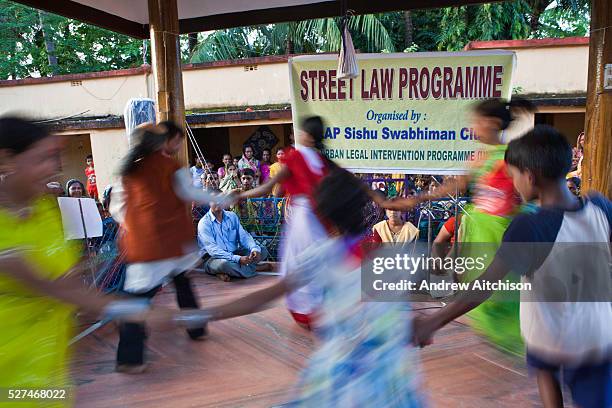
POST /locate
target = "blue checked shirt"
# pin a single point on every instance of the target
(221, 239)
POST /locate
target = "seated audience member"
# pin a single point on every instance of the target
(573, 183)
(227, 249)
(247, 210)
(275, 167)
(237, 160)
(394, 229)
(231, 181)
(227, 160)
(197, 171)
(75, 189)
(443, 243)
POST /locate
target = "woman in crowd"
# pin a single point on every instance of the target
(38, 295)
(75, 189)
(222, 171)
(152, 206)
(264, 166)
(494, 203)
(231, 181)
(300, 173)
(394, 229)
(248, 161)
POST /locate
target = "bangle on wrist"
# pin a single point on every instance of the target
(193, 319)
(122, 308)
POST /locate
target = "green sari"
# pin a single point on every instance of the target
(483, 224)
(35, 329)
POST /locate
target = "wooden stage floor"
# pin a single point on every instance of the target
(253, 361)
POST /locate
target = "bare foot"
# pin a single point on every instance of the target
(224, 277)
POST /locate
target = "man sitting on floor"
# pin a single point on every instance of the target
(227, 249)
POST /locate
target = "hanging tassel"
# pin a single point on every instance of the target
(347, 60)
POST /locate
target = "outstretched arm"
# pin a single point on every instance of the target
(251, 303)
(426, 326)
(450, 186)
(267, 187)
(184, 189)
(64, 289)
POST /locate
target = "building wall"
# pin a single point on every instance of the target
(88, 97)
(236, 86)
(551, 69)
(554, 69)
(108, 147)
(239, 135)
(72, 158)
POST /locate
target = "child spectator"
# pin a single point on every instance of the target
(227, 160)
(567, 341)
(90, 175)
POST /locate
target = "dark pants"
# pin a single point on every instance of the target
(132, 335)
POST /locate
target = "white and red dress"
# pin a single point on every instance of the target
(307, 167)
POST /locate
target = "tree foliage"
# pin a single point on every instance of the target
(79, 47)
(40, 44)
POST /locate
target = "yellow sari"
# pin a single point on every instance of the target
(34, 329)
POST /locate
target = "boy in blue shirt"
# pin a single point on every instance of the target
(563, 251)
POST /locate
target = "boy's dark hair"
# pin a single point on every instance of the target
(17, 134)
(314, 126)
(237, 157)
(341, 199)
(543, 151)
(503, 110)
(89, 156)
(247, 172)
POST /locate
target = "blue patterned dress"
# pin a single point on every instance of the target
(365, 357)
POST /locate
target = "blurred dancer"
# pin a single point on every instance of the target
(301, 171)
(152, 206)
(364, 358)
(38, 297)
(494, 203)
(565, 244)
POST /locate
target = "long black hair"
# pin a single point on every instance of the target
(341, 199)
(503, 110)
(149, 139)
(314, 126)
(18, 134)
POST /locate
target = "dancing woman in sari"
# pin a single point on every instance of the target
(301, 171)
(38, 294)
(494, 204)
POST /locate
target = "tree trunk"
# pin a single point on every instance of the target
(537, 8)
(49, 44)
(289, 47)
(596, 170)
(192, 39)
(408, 29)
